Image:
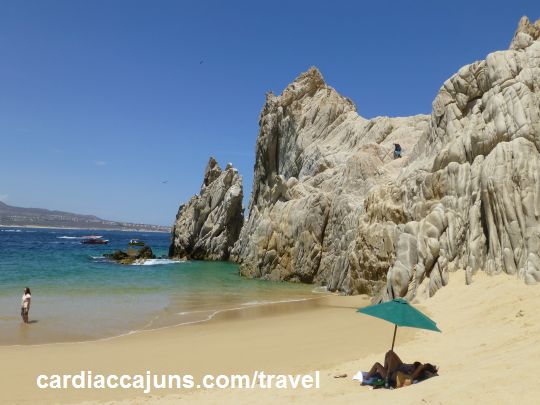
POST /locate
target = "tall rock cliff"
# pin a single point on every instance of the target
(471, 195)
(208, 225)
(316, 160)
(331, 205)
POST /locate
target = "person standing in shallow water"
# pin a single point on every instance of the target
(25, 306)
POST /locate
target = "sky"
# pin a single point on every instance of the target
(113, 107)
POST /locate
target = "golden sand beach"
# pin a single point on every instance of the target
(487, 352)
(286, 337)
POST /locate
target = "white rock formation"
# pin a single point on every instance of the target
(472, 192)
(316, 161)
(526, 34)
(209, 224)
(330, 204)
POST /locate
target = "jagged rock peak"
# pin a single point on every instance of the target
(208, 225)
(311, 79)
(306, 84)
(526, 33)
(315, 160)
(212, 171)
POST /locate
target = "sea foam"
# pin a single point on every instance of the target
(76, 237)
(156, 262)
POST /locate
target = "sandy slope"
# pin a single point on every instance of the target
(488, 352)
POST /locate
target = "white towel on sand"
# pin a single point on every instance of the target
(361, 377)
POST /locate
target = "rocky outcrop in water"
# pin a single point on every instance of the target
(330, 204)
(131, 256)
(207, 226)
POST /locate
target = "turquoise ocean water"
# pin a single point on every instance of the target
(79, 296)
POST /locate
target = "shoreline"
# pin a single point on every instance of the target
(286, 338)
(214, 316)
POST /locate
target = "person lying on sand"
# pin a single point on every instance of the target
(391, 364)
(407, 373)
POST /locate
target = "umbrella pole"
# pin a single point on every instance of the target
(386, 382)
(394, 339)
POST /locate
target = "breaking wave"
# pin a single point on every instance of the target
(156, 262)
(76, 237)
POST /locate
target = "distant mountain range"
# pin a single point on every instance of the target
(39, 217)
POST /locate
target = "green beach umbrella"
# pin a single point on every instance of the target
(400, 313)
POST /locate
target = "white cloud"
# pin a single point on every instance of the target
(100, 162)
(3, 197)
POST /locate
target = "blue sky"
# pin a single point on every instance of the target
(101, 101)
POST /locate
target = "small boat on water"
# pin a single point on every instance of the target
(94, 240)
(135, 242)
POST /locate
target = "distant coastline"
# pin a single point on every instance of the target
(11, 216)
(164, 230)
